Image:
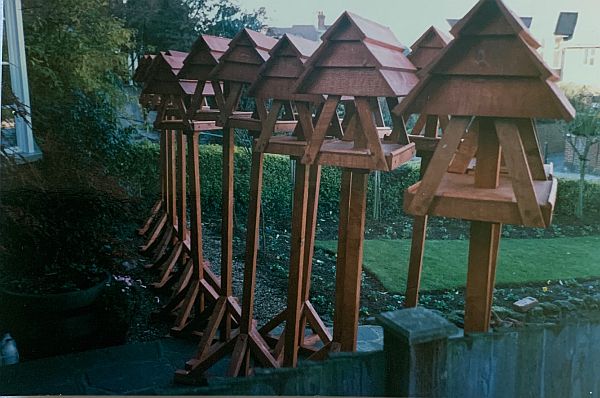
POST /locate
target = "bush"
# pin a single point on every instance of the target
(277, 186)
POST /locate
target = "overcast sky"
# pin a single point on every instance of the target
(409, 18)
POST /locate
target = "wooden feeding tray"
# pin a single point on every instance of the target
(343, 154)
(457, 197)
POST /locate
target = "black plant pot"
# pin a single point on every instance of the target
(53, 324)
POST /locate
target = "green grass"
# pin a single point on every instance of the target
(445, 262)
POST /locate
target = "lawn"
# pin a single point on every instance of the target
(445, 262)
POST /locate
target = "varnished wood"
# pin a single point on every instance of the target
(516, 161)
(438, 165)
(480, 277)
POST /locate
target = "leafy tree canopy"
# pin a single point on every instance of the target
(73, 45)
(161, 25)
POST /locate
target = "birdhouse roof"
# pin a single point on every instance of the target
(358, 57)
(491, 68)
(245, 55)
(428, 46)
(142, 69)
(203, 57)
(277, 76)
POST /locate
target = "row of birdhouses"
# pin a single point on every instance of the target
(474, 99)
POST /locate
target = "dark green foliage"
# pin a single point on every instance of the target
(161, 25)
(277, 187)
(567, 197)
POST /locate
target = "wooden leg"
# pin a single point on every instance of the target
(171, 178)
(415, 264)
(483, 250)
(159, 228)
(153, 216)
(348, 298)
(341, 253)
(227, 223)
(298, 233)
(181, 181)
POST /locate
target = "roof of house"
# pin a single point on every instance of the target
(308, 32)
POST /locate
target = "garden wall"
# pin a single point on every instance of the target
(427, 356)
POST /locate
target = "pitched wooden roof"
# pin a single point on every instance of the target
(203, 57)
(144, 65)
(245, 55)
(428, 46)
(277, 76)
(491, 68)
(162, 77)
(358, 57)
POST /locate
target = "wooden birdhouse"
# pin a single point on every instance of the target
(141, 71)
(238, 67)
(363, 61)
(203, 57)
(427, 47)
(276, 81)
(492, 83)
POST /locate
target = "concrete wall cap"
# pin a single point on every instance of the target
(417, 325)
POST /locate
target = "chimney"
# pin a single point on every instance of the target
(321, 21)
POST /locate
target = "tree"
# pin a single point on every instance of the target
(73, 45)
(161, 25)
(583, 133)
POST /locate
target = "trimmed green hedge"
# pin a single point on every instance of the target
(142, 172)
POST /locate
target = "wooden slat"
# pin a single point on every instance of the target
(516, 162)
(318, 136)
(370, 132)
(171, 178)
(438, 165)
(487, 172)
(267, 127)
(466, 150)
(532, 148)
(415, 264)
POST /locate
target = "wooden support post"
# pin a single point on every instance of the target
(415, 264)
(227, 211)
(297, 254)
(483, 251)
(485, 236)
(181, 187)
(194, 294)
(350, 254)
(171, 178)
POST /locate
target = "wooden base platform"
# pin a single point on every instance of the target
(457, 197)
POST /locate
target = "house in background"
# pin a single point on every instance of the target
(574, 60)
(309, 32)
(16, 135)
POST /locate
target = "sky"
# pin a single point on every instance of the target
(409, 18)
